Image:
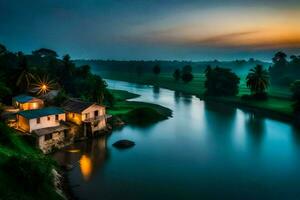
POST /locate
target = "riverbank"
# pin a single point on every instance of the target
(278, 105)
(25, 172)
(135, 112)
(266, 108)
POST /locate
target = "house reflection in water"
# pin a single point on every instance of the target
(89, 156)
(86, 167)
(93, 157)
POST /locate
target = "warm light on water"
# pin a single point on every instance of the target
(73, 150)
(85, 167)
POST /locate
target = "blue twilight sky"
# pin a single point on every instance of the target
(153, 29)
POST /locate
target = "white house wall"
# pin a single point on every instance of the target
(45, 123)
(91, 111)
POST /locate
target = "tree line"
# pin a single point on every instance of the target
(20, 73)
(224, 82)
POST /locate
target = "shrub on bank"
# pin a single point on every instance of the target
(257, 96)
(33, 173)
(142, 116)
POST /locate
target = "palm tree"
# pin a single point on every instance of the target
(258, 80)
(25, 77)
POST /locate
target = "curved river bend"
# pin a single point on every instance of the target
(206, 151)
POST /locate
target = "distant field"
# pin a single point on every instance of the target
(279, 100)
(195, 87)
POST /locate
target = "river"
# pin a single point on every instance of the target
(205, 151)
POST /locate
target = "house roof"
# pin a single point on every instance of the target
(76, 106)
(32, 114)
(24, 98)
(45, 131)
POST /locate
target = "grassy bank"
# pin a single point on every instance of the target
(25, 173)
(279, 97)
(134, 112)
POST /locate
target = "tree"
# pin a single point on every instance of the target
(25, 77)
(156, 69)
(278, 69)
(43, 52)
(221, 82)
(295, 88)
(258, 80)
(3, 49)
(4, 91)
(177, 74)
(187, 75)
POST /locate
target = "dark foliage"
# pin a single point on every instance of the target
(258, 96)
(295, 88)
(43, 52)
(284, 71)
(221, 82)
(143, 116)
(177, 74)
(156, 70)
(258, 81)
(187, 75)
(29, 171)
(18, 72)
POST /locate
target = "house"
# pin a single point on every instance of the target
(25, 102)
(46, 124)
(90, 115)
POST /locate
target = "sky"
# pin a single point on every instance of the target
(153, 29)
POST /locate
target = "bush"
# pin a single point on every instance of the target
(258, 96)
(221, 82)
(261, 96)
(143, 115)
(33, 173)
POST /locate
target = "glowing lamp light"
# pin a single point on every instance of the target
(43, 85)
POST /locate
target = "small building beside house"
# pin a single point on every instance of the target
(90, 115)
(25, 102)
(46, 124)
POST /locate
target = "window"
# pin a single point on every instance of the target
(48, 118)
(48, 137)
(38, 120)
(56, 117)
(65, 133)
(96, 113)
(73, 115)
(87, 115)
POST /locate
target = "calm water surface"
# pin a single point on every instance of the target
(206, 151)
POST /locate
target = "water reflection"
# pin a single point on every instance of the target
(220, 120)
(86, 167)
(92, 156)
(156, 91)
(255, 128)
(176, 96)
(185, 98)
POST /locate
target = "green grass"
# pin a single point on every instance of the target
(121, 95)
(279, 97)
(134, 112)
(195, 87)
(21, 168)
